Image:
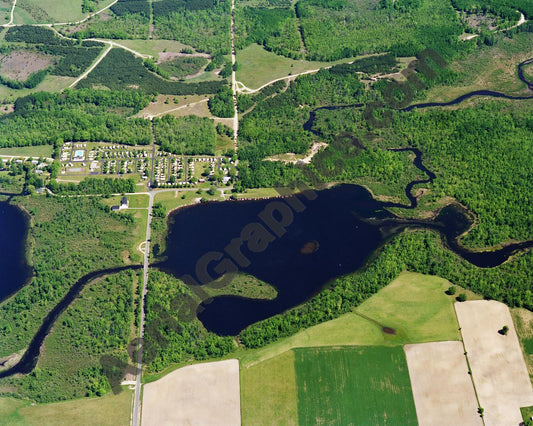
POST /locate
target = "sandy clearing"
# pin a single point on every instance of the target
(169, 56)
(498, 367)
(201, 394)
(298, 158)
(442, 389)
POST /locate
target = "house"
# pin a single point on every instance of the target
(124, 204)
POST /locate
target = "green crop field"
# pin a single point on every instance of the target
(415, 305)
(354, 385)
(268, 392)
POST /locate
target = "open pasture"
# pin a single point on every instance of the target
(200, 394)
(109, 410)
(442, 389)
(354, 385)
(416, 307)
(498, 368)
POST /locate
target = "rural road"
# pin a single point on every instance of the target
(137, 397)
(233, 79)
(93, 66)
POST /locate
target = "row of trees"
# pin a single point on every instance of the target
(89, 185)
(419, 251)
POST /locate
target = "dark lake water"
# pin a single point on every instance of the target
(13, 269)
(331, 237)
(325, 240)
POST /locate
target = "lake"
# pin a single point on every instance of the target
(325, 240)
(13, 269)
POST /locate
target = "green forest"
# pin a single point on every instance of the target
(188, 135)
(344, 119)
(181, 20)
(69, 238)
(97, 325)
(76, 115)
(121, 70)
(171, 335)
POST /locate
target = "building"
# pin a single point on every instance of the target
(124, 204)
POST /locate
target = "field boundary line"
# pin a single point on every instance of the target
(471, 373)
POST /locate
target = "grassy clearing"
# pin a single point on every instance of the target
(29, 151)
(50, 11)
(527, 413)
(416, 306)
(199, 109)
(523, 321)
(51, 83)
(154, 47)
(108, 410)
(173, 199)
(488, 68)
(5, 10)
(135, 201)
(269, 393)
(256, 66)
(359, 385)
(164, 104)
(258, 193)
(139, 233)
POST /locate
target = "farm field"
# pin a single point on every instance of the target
(396, 305)
(269, 392)
(442, 388)
(495, 358)
(198, 394)
(360, 385)
(416, 307)
(108, 410)
(523, 321)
